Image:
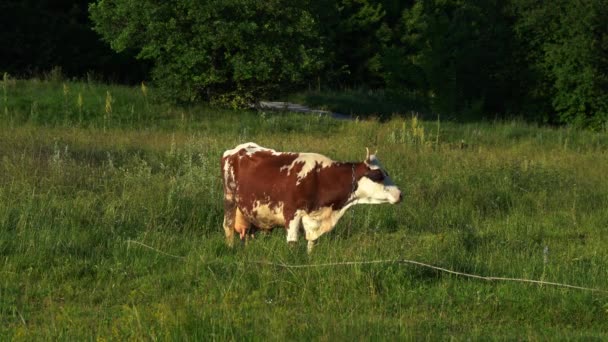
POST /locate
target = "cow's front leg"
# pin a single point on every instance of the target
(311, 228)
(314, 228)
(311, 245)
(293, 229)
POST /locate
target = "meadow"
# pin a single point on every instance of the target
(111, 226)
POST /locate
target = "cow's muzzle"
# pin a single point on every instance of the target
(396, 197)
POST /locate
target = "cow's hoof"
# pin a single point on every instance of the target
(292, 244)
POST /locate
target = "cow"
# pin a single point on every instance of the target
(264, 188)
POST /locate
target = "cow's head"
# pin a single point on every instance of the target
(375, 186)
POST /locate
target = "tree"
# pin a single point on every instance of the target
(463, 49)
(224, 51)
(349, 36)
(568, 52)
(567, 44)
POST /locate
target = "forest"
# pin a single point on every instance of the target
(542, 61)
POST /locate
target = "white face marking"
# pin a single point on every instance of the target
(309, 162)
(371, 192)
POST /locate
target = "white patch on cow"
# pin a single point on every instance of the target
(268, 215)
(228, 171)
(321, 221)
(229, 179)
(250, 149)
(309, 161)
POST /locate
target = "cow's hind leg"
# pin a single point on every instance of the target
(229, 220)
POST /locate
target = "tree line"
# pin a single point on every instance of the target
(545, 61)
(37, 36)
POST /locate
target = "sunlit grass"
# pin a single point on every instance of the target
(486, 198)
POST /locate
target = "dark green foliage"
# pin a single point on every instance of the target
(229, 52)
(351, 32)
(36, 36)
(462, 59)
(568, 57)
(462, 50)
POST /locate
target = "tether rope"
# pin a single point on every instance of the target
(396, 261)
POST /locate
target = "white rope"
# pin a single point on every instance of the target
(152, 248)
(406, 261)
(394, 261)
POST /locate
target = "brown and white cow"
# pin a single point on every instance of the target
(266, 188)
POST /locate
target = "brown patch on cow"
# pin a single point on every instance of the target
(260, 178)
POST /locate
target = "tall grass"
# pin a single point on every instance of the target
(491, 198)
(5, 93)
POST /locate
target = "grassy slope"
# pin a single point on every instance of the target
(483, 198)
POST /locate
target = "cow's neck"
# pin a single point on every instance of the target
(355, 171)
(340, 180)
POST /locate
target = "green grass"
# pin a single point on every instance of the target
(484, 198)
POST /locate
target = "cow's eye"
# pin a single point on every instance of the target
(375, 176)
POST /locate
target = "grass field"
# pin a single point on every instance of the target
(85, 182)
